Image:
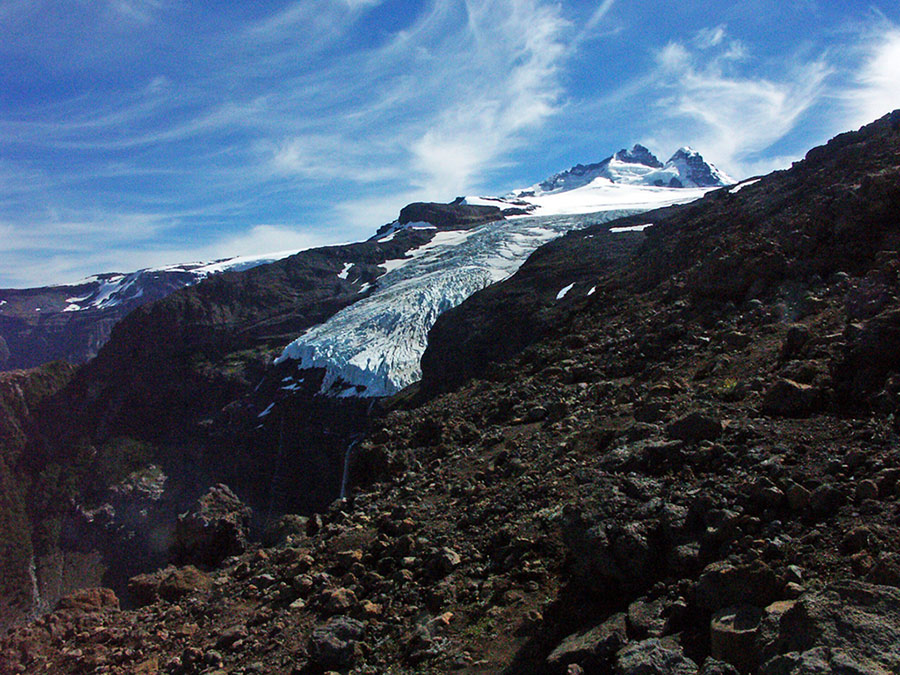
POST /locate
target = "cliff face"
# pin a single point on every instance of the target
(24, 397)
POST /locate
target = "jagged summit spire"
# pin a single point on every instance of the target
(639, 155)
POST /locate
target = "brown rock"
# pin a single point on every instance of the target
(695, 427)
(170, 584)
(89, 600)
(792, 399)
(339, 601)
(732, 638)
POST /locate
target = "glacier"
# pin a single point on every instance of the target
(374, 346)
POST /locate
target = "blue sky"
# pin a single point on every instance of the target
(142, 132)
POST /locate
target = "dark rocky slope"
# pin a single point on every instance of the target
(179, 400)
(689, 472)
(829, 213)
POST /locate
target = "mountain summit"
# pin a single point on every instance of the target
(638, 166)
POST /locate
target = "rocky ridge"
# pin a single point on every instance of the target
(72, 322)
(694, 468)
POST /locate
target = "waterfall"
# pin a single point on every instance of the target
(36, 600)
(346, 473)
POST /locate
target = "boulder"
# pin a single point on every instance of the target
(792, 399)
(333, 645)
(723, 584)
(215, 528)
(732, 636)
(89, 600)
(873, 351)
(695, 427)
(712, 666)
(654, 657)
(646, 618)
(627, 555)
(849, 627)
(592, 648)
(169, 584)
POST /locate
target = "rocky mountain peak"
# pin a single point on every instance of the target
(694, 171)
(639, 155)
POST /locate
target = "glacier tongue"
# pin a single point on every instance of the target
(374, 346)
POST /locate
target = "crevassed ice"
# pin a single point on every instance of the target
(374, 347)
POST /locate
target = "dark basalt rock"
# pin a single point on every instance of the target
(216, 528)
(501, 320)
(849, 626)
(639, 155)
(454, 215)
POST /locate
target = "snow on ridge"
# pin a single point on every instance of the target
(603, 195)
(113, 289)
(740, 186)
(393, 228)
(374, 346)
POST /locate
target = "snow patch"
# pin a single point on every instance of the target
(395, 227)
(267, 410)
(592, 291)
(564, 291)
(345, 271)
(630, 228)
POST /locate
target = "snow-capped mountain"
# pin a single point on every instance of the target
(72, 321)
(374, 346)
(638, 166)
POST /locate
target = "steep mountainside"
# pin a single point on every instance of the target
(185, 396)
(73, 322)
(693, 467)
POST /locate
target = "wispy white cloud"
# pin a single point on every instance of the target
(447, 98)
(326, 115)
(59, 251)
(141, 11)
(875, 90)
(731, 116)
